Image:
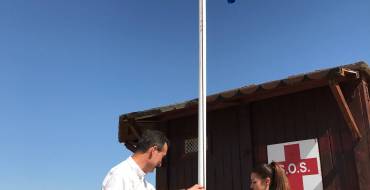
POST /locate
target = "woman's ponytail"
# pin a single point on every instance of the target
(279, 180)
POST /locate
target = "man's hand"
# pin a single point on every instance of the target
(196, 187)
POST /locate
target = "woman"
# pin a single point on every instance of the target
(269, 177)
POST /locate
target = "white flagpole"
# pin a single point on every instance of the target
(202, 127)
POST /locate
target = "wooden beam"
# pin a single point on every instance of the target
(347, 72)
(342, 103)
(129, 127)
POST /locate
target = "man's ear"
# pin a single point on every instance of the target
(151, 151)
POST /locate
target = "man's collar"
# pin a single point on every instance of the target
(140, 173)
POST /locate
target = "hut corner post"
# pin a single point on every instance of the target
(362, 148)
(359, 123)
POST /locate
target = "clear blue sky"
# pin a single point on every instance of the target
(69, 68)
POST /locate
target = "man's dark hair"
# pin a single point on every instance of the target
(151, 138)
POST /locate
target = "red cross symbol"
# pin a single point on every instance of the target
(296, 168)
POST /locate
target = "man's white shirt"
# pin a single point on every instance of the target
(127, 175)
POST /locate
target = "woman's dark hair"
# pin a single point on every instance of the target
(279, 180)
(151, 138)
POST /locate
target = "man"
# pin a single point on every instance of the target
(129, 174)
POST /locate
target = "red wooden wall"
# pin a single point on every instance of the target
(238, 136)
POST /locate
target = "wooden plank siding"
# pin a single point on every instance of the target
(183, 170)
(357, 99)
(228, 159)
(305, 115)
(238, 137)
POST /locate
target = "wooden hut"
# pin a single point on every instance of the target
(330, 105)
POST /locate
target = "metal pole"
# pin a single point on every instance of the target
(202, 127)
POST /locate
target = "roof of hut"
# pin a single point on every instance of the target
(131, 124)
